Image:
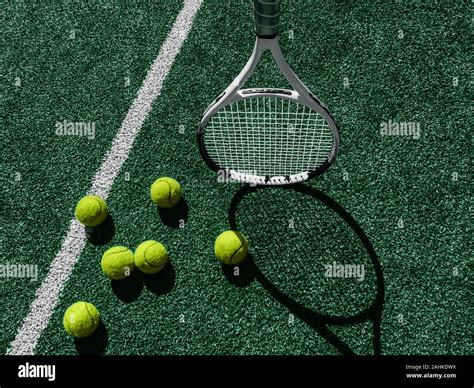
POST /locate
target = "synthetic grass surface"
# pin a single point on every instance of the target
(407, 198)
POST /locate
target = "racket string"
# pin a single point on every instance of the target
(259, 137)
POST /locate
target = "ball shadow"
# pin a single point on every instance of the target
(95, 344)
(174, 216)
(312, 317)
(130, 288)
(242, 274)
(162, 282)
(103, 233)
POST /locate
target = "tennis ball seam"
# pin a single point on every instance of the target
(115, 252)
(165, 197)
(145, 259)
(97, 214)
(151, 265)
(99, 203)
(117, 270)
(233, 253)
(103, 208)
(66, 323)
(169, 191)
(90, 314)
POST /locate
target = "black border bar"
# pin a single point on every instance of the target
(222, 371)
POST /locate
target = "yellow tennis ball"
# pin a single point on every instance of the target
(151, 256)
(231, 247)
(117, 262)
(91, 210)
(81, 319)
(165, 192)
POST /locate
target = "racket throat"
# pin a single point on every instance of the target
(272, 45)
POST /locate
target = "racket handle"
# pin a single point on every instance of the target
(267, 17)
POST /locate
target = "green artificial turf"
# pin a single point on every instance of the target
(398, 205)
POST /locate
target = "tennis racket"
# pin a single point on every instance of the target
(268, 136)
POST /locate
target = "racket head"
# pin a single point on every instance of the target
(268, 136)
(237, 123)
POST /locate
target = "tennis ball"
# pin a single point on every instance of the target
(165, 192)
(91, 210)
(151, 256)
(231, 247)
(117, 262)
(81, 319)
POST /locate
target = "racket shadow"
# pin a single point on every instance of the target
(310, 316)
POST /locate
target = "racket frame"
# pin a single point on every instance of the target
(300, 94)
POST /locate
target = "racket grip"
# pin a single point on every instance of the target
(266, 17)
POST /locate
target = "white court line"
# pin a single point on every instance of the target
(47, 295)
